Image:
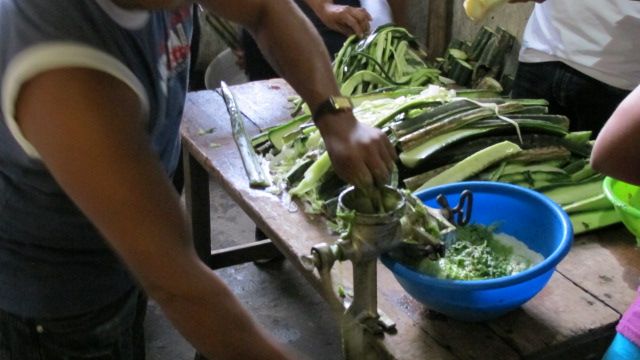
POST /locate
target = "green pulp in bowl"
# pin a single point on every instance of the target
(479, 253)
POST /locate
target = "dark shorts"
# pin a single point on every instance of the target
(586, 101)
(114, 332)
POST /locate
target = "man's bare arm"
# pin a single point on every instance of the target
(91, 137)
(616, 152)
(359, 154)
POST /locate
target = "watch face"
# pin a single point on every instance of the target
(341, 103)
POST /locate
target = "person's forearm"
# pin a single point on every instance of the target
(316, 5)
(300, 56)
(616, 152)
(290, 43)
(197, 302)
(208, 314)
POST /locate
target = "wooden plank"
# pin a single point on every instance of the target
(560, 315)
(206, 136)
(590, 347)
(205, 123)
(265, 103)
(411, 343)
(607, 265)
(465, 340)
(439, 16)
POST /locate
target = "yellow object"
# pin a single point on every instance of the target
(478, 9)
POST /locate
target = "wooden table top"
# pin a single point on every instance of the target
(576, 312)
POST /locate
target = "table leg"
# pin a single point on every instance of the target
(196, 184)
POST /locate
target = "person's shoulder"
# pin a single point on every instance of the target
(62, 18)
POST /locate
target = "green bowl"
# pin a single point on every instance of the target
(626, 200)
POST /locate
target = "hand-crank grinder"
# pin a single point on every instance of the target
(369, 235)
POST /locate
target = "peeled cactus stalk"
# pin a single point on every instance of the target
(477, 9)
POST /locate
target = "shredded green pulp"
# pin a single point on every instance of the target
(478, 253)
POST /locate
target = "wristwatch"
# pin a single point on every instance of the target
(332, 105)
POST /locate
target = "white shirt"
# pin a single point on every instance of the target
(600, 38)
(379, 10)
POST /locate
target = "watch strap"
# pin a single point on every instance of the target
(332, 105)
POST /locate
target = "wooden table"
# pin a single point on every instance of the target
(574, 316)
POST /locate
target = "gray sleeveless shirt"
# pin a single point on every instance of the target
(53, 262)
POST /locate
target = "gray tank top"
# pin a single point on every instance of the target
(53, 262)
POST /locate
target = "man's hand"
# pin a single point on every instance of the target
(360, 154)
(344, 19)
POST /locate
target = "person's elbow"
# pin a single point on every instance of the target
(605, 158)
(611, 157)
(598, 158)
(261, 13)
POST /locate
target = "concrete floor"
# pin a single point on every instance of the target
(277, 296)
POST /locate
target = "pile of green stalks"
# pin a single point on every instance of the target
(506, 140)
(295, 151)
(390, 57)
(445, 136)
(441, 135)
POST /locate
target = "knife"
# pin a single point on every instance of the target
(252, 164)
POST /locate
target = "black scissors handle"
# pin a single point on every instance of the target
(462, 210)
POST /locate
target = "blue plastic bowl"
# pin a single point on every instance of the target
(529, 216)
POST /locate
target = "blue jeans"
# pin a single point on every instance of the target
(586, 101)
(114, 332)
